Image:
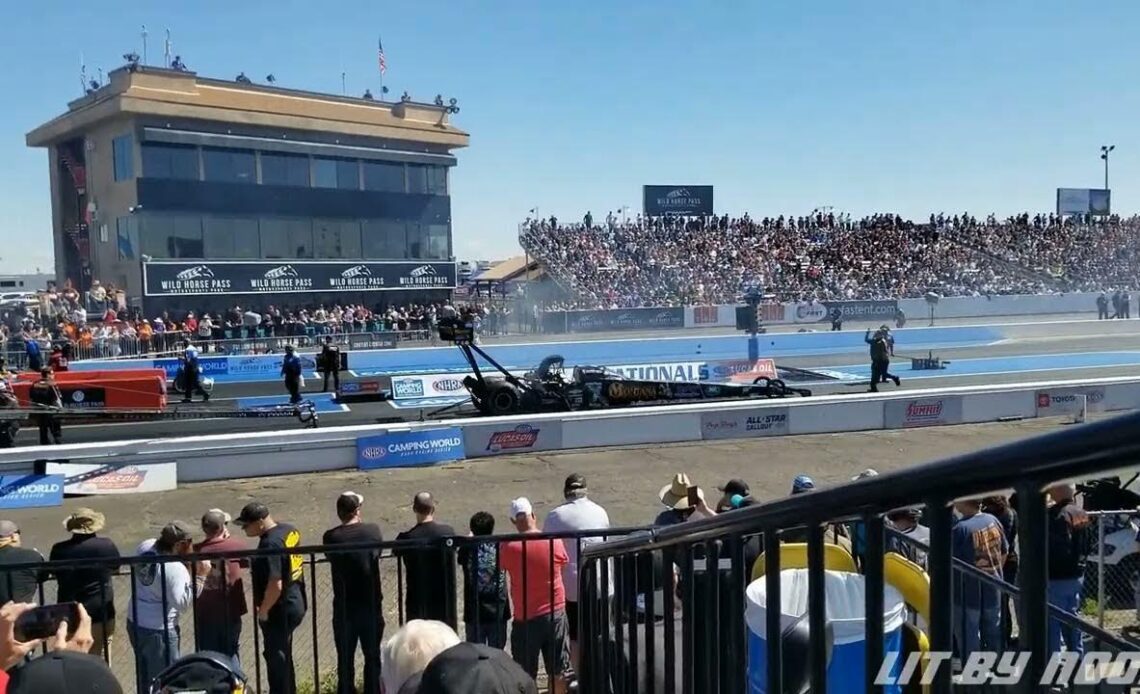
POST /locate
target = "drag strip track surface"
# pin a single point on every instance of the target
(1004, 367)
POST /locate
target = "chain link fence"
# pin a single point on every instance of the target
(1112, 572)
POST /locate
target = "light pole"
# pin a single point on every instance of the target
(1104, 150)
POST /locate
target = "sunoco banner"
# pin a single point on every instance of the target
(682, 200)
(615, 319)
(165, 278)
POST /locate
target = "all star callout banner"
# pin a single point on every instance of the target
(206, 277)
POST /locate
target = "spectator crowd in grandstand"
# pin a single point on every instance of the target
(664, 261)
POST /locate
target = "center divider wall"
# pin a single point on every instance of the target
(260, 454)
(601, 352)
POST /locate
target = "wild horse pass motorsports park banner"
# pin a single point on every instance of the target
(683, 200)
(176, 278)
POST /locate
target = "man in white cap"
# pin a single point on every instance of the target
(358, 609)
(222, 605)
(538, 596)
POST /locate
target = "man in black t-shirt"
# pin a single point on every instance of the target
(358, 612)
(278, 592)
(430, 570)
(17, 585)
(90, 584)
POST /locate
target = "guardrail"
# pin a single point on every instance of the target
(259, 454)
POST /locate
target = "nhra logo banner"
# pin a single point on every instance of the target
(432, 386)
(410, 448)
(659, 201)
(1066, 401)
(223, 277)
(501, 439)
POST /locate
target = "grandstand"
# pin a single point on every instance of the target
(673, 260)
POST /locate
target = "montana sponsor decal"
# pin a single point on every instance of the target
(521, 437)
(447, 385)
(408, 387)
(632, 392)
(923, 412)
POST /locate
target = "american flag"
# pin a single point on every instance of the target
(383, 62)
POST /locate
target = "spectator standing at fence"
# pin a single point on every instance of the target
(222, 606)
(278, 592)
(678, 506)
(577, 513)
(1000, 508)
(539, 598)
(429, 571)
(486, 608)
(89, 584)
(358, 601)
(906, 522)
(1069, 544)
(330, 364)
(161, 592)
(17, 585)
(977, 539)
(407, 652)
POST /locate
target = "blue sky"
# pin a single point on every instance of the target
(889, 105)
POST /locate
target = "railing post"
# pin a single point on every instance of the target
(1100, 570)
(1033, 580)
(940, 567)
(772, 626)
(873, 596)
(817, 609)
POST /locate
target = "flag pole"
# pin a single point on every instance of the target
(144, 44)
(343, 85)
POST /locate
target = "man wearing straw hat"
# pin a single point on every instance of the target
(683, 500)
(91, 584)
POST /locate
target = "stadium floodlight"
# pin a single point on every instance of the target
(1104, 150)
(270, 78)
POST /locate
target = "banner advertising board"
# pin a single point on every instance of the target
(81, 478)
(615, 319)
(738, 370)
(677, 371)
(681, 200)
(1097, 201)
(439, 385)
(743, 424)
(410, 448)
(31, 491)
(1065, 401)
(922, 412)
(372, 341)
(208, 366)
(225, 277)
(500, 439)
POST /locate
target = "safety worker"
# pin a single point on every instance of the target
(192, 374)
(880, 358)
(836, 317)
(330, 364)
(45, 396)
(57, 361)
(291, 370)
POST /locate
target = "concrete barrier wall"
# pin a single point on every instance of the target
(262, 454)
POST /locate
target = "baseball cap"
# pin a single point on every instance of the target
(574, 482)
(735, 486)
(215, 519)
(8, 528)
(470, 668)
(65, 672)
(176, 531)
(251, 513)
(520, 506)
(802, 483)
(348, 502)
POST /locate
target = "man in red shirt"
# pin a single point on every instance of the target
(538, 597)
(222, 604)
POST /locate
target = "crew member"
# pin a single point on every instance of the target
(880, 359)
(330, 364)
(836, 319)
(45, 396)
(58, 360)
(191, 374)
(291, 370)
